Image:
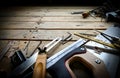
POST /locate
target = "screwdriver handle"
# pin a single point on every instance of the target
(40, 66)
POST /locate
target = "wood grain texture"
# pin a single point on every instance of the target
(37, 23)
(52, 25)
(40, 66)
(41, 11)
(48, 19)
(46, 23)
(42, 34)
(88, 60)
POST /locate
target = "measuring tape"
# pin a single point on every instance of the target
(115, 46)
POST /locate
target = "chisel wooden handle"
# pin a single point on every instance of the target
(40, 66)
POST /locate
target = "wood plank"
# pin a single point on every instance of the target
(42, 11)
(14, 47)
(39, 14)
(20, 19)
(35, 43)
(48, 19)
(46, 9)
(2, 45)
(21, 45)
(43, 23)
(74, 25)
(53, 25)
(32, 46)
(40, 34)
(70, 19)
(6, 63)
(17, 24)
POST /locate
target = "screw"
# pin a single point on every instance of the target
(98, 61)
(82, 48)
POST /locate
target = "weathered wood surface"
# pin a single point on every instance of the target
(26, 27)
(41, 34)
(20, 24)
(49, 19)
(41, 11)
(86, 25)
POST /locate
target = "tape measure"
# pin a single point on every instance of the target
(115, 46)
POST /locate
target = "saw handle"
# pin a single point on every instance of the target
(94, 65)
(59, 69)
(40, 66)
(62, 68)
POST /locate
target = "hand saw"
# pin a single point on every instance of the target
(111, 61)
(102, 65)
(55, 64)
(58, 64)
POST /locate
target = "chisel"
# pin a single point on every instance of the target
(40, 65)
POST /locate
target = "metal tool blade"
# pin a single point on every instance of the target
(53, 44)
(53, 59)
(24, 66)
(111, 61)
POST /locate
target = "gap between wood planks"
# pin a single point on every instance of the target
(97, 28)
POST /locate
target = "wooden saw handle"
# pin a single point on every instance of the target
(88, 59)
(40, 66)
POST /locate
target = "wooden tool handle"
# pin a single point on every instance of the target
(59, 70)
(94, 64)
(40, 66)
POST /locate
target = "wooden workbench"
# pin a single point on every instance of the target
(18, 25)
